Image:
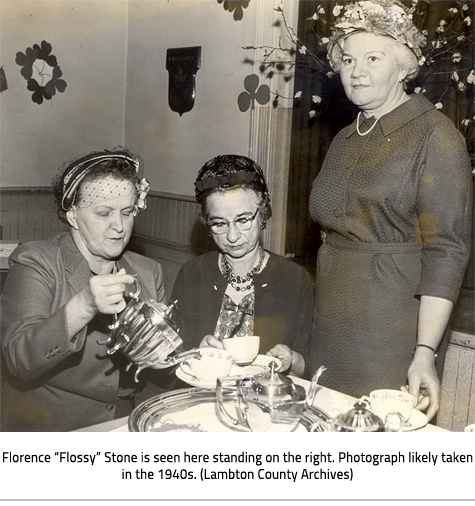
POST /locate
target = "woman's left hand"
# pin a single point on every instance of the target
(434, 314)
(289, 359)
(424, 384)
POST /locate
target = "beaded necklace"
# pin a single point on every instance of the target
(234, 280)
(369, 129)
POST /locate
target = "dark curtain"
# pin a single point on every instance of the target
(311, 137)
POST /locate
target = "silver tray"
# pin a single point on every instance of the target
(196, 410)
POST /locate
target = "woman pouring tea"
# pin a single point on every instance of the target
(394, 200)
(61, 295)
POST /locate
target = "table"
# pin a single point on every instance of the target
(331, 401)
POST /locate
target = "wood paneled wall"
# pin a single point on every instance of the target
(457, 402)
(169, 230)
(173, 220)
(28, 214)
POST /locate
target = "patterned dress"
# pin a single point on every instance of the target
(395, 206)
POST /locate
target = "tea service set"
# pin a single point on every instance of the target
(251, 394)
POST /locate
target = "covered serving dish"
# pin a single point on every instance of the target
(360, 419)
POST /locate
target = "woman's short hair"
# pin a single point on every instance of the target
(118, 164)
(227, 172)
(406, 58)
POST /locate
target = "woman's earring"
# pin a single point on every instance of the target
(263, 225)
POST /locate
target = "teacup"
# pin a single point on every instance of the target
(470, 428)
(243, 349)
(385, 401)
(212, 364)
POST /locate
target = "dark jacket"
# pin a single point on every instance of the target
(283, 302)
(52, 382)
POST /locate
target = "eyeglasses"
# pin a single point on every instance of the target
(242, 224)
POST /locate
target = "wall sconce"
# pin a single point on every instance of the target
(182, 65)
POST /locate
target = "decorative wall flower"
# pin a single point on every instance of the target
(42, 72)
(254, 92)
(3, 80)
(235, 5)
(26, 61)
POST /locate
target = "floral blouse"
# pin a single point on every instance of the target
(236, 320)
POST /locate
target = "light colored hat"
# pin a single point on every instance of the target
(381, 17)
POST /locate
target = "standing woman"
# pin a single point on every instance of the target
(60, 295)
(394, 201)
(242, 289)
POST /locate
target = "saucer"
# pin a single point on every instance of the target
(260, 365)
(191, 380)
(417, 421)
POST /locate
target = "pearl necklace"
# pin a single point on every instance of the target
(369, 129)
(234, 279)
(377, 119)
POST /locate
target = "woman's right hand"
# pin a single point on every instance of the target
(210, 341)
(104, 293)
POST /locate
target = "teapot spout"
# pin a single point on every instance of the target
(176, 359)
(313, 387)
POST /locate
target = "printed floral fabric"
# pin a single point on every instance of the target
(236, 320)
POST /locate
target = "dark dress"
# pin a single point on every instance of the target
(396, 209)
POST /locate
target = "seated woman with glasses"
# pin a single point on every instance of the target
(242, 289)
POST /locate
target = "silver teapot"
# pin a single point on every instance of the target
(267, 402)
(145, 333)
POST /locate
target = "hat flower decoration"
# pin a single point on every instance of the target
(381, 17)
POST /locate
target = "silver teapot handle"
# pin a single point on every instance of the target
(312, 391)
(138, 288)
(115, 323)
(388, 425)
(227, 385)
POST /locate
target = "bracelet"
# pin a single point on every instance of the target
(427, 346)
